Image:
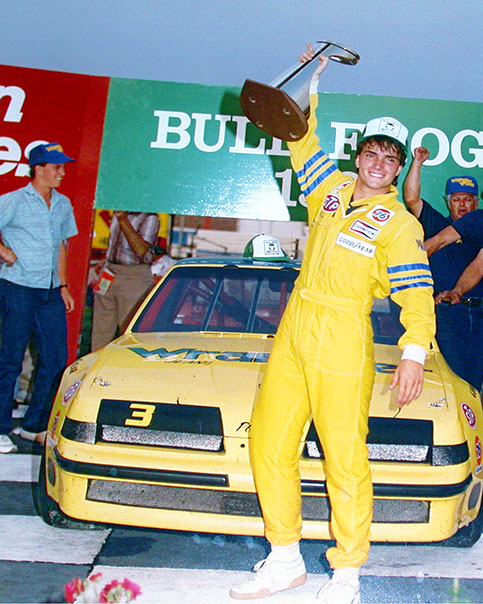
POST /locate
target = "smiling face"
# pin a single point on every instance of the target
(49, 176)
(378, 164)
(461, 203)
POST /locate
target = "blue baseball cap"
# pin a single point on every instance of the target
(50, 153)
(461, 184)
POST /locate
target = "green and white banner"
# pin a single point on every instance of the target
(188, 149)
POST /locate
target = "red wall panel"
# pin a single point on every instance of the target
(45, 106)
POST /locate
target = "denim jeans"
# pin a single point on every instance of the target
(460, 337)
(27, 312)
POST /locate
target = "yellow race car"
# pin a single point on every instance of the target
(153, 429)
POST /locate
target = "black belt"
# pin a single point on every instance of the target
(472, 301)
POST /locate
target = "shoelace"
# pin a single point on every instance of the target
(339, 585)
(259, 565)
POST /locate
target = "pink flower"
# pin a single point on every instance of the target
(88, 591)
(95, 577)
(106, 595)
(132, 587)
(73, 589)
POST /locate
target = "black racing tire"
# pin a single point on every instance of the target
(468, 535)
(49, 510)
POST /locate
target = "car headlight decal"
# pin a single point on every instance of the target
(175, 426)
(399, 440)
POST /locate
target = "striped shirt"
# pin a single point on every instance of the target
(119, 250)
(35, 233)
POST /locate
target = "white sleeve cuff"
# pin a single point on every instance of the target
(414, 352)
(314, 86)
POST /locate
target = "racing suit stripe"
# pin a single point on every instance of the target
(315, 171)
(400, 277)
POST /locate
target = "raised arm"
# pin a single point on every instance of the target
(412, 184)
(308, 55)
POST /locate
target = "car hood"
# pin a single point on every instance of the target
(220, 370)
(207, 369)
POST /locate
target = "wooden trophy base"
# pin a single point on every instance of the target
(273, 111)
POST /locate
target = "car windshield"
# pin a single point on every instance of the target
(234, 298)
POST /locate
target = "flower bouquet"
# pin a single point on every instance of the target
(90, 591)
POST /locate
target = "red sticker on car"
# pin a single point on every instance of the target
(478, 450)
(54, 423)
(69, 393)
(470, 415)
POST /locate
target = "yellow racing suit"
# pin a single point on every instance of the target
(322, 362)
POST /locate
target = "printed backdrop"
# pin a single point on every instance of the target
(188, 149)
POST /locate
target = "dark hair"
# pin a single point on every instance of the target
(386, 143)
(32, 169)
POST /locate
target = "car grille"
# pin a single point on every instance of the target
(234, 503)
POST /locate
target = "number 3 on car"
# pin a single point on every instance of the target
(141, 416)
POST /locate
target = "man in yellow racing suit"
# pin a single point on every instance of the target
(362, 244)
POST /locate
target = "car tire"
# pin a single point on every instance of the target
(48, 509)
(468, 535)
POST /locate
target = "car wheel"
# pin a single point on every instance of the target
(48, 509)
(468, 535)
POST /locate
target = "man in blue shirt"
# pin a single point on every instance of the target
(469, 226)
(35, 222)
(459, 322)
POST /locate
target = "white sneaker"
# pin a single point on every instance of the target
(339, 591)
(6, 445)
(271, 576)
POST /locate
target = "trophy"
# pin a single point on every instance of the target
(279, 109)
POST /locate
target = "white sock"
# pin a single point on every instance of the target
(349, 574)
(286, 553)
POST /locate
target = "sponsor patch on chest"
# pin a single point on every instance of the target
(380, 214)
(365, 229)
(356, 245)
(331, 203)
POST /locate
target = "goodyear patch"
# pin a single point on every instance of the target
(356, 245)
(365, 229)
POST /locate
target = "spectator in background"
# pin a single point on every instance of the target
(459, 325)
(126, 276)
(35, 221)
(469, 227)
